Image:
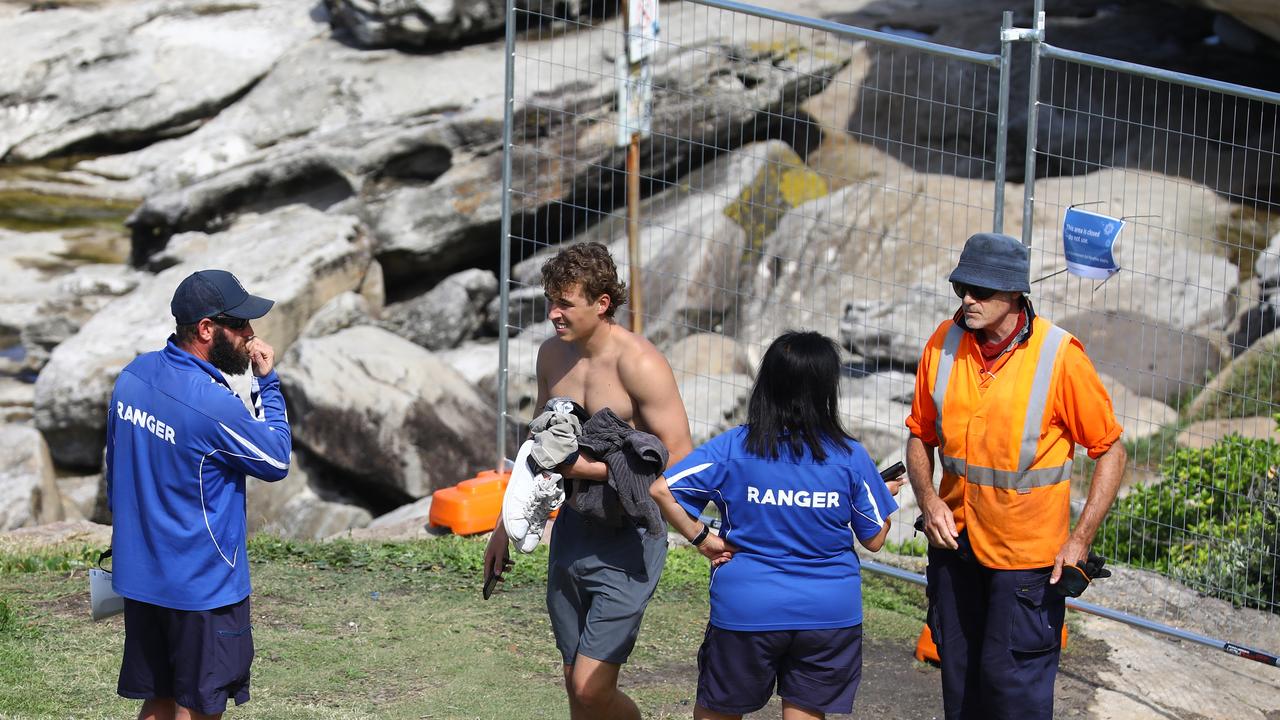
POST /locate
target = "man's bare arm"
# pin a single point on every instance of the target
(1107, 474)
(939, 522)
(648, 379)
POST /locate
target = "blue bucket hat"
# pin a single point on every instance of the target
(994, 261)
(207, 293)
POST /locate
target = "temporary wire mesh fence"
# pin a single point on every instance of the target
(803, 174)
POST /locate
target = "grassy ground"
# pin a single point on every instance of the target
(350, 630)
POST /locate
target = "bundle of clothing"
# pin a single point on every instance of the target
(635, 459)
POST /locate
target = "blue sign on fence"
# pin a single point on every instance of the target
(1088, 241)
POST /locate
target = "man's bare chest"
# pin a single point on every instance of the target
(596, 387)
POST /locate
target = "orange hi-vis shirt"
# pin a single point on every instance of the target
(1007, 435)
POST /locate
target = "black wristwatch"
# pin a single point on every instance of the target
(701, 536)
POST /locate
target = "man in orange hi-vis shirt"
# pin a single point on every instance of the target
(1005, 397)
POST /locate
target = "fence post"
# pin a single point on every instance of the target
(1002, 120)
(1033, 98)
(504, 302)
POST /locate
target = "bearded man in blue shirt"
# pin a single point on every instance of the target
(179, 445)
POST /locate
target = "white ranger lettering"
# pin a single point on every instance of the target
(793, 498)
(146, 421)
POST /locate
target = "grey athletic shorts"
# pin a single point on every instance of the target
(599, 580)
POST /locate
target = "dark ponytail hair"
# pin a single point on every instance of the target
(794, 402)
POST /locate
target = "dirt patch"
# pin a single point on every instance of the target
(73, 605)
(897, 687)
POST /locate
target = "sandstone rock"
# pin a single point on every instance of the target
(56, 533)
(850, 264)
(446, 315)
(526, 306)
(346, 310)
(324, 171)
(714, 403)
(387, 412)
(477, 363)
(701, 239)
(80, 496)
(429, 230)
(17, 401)
(1141, 416)
(291, 508)
(54, 281)
(708, 354)
(417, 24)
(296, 256)
(430, 24)
(953, 102)
(337, 99)
(81, 77)
(873, 410)
(1247, 386)
(28, 491)
(407, 522)
(1200, 435)
(1147, 356)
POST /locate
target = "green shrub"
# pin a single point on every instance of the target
(1213, 522)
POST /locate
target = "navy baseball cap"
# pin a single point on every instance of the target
(207, 293)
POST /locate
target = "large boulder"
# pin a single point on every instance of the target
(17, 400)
(326, 94)
(1246, 387)
(853, 267)
(1150, 358)
(387, 413)
(324, 172)
(702, 239)
(1093, 117)
(28, 489)
(432, 24)
(446, 315)
(297, 256)
(714, 403)
(54, 282)
(84, 78)
(292, 508)
(416, 24)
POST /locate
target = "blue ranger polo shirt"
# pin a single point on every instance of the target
(793, 521)
(179, 445)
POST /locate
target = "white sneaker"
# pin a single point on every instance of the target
(530, 499)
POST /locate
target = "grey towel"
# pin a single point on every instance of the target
(555, 436)
(635, 459)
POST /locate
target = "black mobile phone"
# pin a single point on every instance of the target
(490, 580)
(893, 472)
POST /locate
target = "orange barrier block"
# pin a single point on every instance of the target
(927, 651)
(472, 505)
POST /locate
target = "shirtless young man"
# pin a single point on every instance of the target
(599, 579)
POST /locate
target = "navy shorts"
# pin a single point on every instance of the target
(200, 658)
(816, 670)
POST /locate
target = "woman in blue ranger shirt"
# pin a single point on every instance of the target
(793, 489)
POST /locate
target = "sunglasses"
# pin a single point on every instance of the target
(229, 322)
(978, 293)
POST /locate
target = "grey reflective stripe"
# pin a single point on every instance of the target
(945, 362)
(953, 465)
(1017, 480)
(1038, 402)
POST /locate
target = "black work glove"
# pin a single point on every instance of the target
(1076, 578)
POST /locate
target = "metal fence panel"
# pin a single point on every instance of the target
(1192, 167)
(802, 174)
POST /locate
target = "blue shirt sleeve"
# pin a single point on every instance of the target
(254, 446)
(697, 478)
(872, 501)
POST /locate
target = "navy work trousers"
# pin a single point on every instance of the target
(998, 634)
